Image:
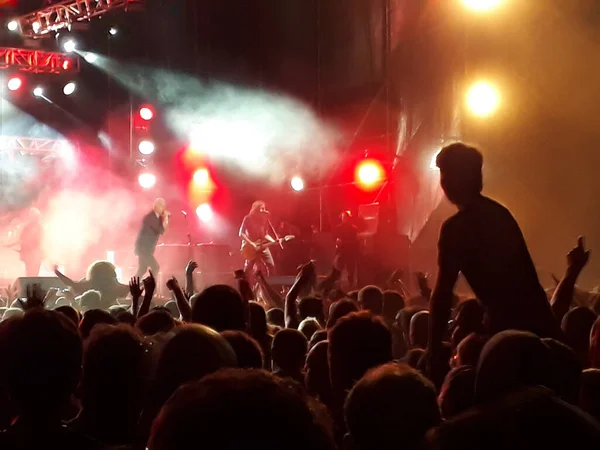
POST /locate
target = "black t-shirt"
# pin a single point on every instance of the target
(347, 233)
(147, 239)
(255, 226)
(485, 243)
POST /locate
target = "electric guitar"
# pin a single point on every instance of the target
(250, 253)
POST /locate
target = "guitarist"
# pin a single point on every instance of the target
(254, 231)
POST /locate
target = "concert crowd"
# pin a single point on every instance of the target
(327, 364)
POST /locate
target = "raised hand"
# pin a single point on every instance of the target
(191, 266)
(578, 257)
(135, 288)
(35, 298)
(149, 284)
(173, 284)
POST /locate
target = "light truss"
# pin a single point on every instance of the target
(43, 22)
(37, 61)
(34, 146)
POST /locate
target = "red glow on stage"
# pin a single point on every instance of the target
(147, 113)
(14, 84)
(369, 174)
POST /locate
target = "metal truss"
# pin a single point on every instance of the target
(43, 22)
(37, 61)
(34, 146)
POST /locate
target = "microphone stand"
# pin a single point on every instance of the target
(189, 237)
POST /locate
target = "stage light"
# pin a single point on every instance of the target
(297, 183)
(35, 26)
(147, 180)
(70, 45)
(146, 147)
(91, 57)
(38, 91)
(14, 84)
(204, 212)
(69, 88)
(13, 25)
(113, 31)
(202, 178)
(369, 174)
(146, 113)
(483, 99)
(67, 151)
(482, 5)
(433, 162)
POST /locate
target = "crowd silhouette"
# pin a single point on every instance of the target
(379, 368)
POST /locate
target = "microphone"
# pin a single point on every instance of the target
(184, 213)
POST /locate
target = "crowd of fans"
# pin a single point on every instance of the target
(317, 368)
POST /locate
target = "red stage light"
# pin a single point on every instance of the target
(297, 183)
(14, 84)
(146, 113)
(369, 174)
(66, 64)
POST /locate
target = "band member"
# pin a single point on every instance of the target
(255, 228)
(30, 240)
(155, 223)
(347, 246)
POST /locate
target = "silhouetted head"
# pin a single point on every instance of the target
(311, 307)
(221, 308)
(390, 408)
(70, 312)
(113, 372)
(469, 350)
(393, 302)
(460, 172)
(258, 320)
(157, 321)
(308, 327)
(577, 325)
(228, 410)
(317, 372)
(92, 318)
(456, 394)
(275, 316)
(340, 309)
(247, 350)
(102, 272)
(289, 350)
(511, 360)
(419, 330)
(589, 395)
(41, 356)
(357, 343)
(370, 298)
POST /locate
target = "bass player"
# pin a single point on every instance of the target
(255, 232)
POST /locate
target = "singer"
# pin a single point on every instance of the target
(154, 224)
(254, 232)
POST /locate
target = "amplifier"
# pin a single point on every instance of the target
(44, 282)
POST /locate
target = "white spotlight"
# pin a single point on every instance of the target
(297, 183)
(91, 57)
(13, 25)
(38, 91)
(70, 46)
(36, 27)
(204, 212)
(113, 31)
(146, 147)
(69, 88)
(14, 84)
(147, 180)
